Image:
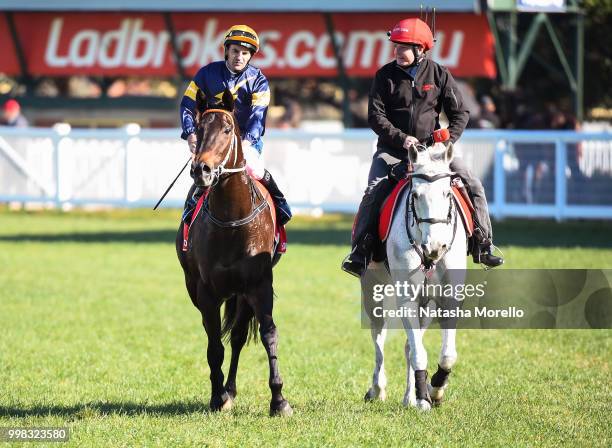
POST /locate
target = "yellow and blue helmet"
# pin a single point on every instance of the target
(242, 35)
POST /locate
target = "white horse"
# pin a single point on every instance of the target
(427, 238)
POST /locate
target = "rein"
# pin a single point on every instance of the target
(220, 170)
(427, 265)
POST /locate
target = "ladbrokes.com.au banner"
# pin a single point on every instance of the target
(295, 44)
(506, 298)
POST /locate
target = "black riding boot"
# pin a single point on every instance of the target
(357, 261)
(481, 250)
(283, 212)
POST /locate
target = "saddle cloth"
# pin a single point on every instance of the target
(463, 202)
(280, 235)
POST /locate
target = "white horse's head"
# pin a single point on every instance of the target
(431, 200)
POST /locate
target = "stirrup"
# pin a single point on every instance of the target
(353, 267)
(490, 252)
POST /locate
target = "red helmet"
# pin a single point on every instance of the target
(11, 106)
(412, 31)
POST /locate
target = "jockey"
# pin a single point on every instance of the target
(252, 96)
(406, 98)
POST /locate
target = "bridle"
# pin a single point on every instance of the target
(220, 170)
(431, 179)
(427, 265)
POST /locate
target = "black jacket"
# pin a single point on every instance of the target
(400, 107)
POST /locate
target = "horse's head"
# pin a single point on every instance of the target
(431, 200)
(219, 148)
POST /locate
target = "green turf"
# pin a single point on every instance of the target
(98, 334)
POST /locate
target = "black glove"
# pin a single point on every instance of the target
(398, 171)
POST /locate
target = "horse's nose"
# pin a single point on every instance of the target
(433, 250)
(206, 169)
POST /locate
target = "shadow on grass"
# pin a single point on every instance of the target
(523, 233)
(97, 409)
(297, 236)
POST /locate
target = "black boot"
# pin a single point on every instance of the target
(481, 250)
(357, 261)
(191, 203)
(283, 212)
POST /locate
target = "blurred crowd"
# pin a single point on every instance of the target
(11, 114)
(297, 100)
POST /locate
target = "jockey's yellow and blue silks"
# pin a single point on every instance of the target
(251, 95)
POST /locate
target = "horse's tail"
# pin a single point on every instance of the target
(234, 307)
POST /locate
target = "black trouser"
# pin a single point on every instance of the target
(379, 187)
(477, 193)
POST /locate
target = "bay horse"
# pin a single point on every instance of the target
(427, 244)
(230, 257)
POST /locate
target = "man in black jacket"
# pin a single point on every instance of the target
(406, 99)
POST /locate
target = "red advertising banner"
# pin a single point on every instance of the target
(8, 59)
(293, 44)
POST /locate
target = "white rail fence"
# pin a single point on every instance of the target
(557, 174)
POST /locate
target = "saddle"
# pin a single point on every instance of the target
(280, 235)
(460, 196)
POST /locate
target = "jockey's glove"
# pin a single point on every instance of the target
(398, 172)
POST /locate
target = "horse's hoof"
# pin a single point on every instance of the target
(221, 402)
(231, 392)
(423, 405)
(436, 394)
(282, 410)
(409, 401)
(228, 404)
(382, 394)
(374, 393)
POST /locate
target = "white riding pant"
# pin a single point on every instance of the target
(254, 162)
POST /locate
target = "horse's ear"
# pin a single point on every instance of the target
(228, 100)
(413, 153)
(448, 156)
(200, 102)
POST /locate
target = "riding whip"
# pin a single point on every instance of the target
(172, 184)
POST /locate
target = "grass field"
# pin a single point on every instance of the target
(98, 334)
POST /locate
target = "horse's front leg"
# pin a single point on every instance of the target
(416, 358)
(211, 319)
(448, 357)
(376, 275)
(262, 303)
(455, 275)
(379, 378)
(409, 394)
(238, 336)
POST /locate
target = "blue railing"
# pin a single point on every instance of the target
(554, 174)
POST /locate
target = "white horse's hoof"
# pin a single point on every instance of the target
(423, 405)
(382, 394)
(436, 393)
(409, 401)
(228, 405)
